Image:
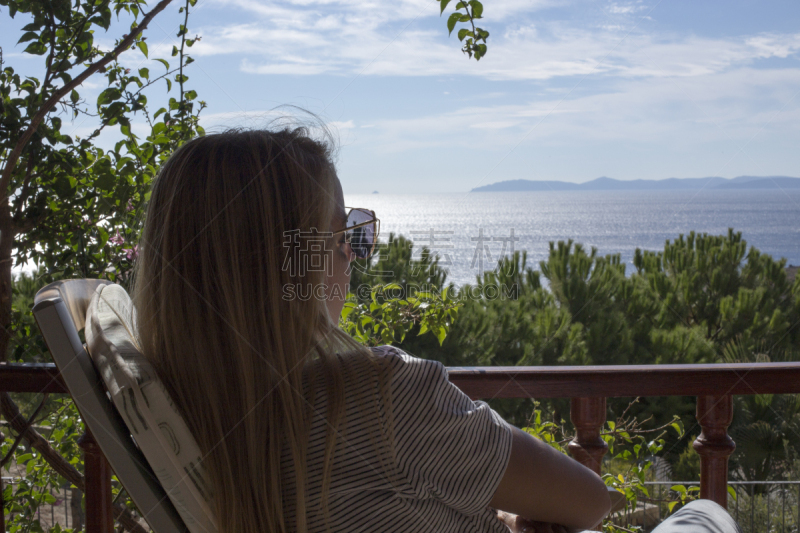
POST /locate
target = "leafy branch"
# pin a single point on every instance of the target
(626, 444)
(469, 11)
(66, 89)
(387, 319)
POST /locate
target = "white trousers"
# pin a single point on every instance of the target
(699, 516)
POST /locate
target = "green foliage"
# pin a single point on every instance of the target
(76, 207)
(467, 11)
(685, 495)
(37, 483)
(589, 289)
(765, 426)
(68, 196)
(26, 345)
(73, 208)
(547, 431)
(765, 431)
(387, 317)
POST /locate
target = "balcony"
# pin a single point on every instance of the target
(714, 385)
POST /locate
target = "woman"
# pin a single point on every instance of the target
(242, 275)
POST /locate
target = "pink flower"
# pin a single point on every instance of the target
(117, 239)
(131, 253)
(129, 207)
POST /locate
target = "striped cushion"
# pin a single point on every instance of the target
(146, 407)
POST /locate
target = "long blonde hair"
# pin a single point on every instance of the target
(234, 354)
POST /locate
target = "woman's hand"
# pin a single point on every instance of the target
(518, 524)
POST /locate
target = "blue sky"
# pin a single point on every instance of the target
(568, 91)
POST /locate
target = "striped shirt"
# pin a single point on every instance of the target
(450, 454)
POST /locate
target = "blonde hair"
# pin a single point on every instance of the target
(241, 362)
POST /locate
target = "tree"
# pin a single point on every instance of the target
(43, 169)
(66, 204)
(69, 205)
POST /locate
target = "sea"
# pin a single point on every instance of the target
(471, 231)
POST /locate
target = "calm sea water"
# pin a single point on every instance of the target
(471, 230)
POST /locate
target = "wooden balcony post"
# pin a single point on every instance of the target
(97, 474)
(714, 445)
(588, 415)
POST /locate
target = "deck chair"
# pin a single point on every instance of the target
(125, 406)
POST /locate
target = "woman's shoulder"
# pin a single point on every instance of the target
(387, 350)
(392, 353)
(423, 378)
(400, 361)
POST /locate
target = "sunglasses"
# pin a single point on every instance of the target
(361, 231)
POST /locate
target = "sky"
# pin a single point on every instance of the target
(569, 90)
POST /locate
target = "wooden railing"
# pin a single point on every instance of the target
(587, 386)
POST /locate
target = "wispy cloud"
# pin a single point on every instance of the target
(619, 8)
(513, 56)
(717, 108)
(769, 45)
(344, 37)
(338, 125)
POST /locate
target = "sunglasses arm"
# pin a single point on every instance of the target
(373, 221)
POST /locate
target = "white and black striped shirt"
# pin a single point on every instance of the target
(451, 453)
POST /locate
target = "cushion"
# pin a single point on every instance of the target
(146, 407)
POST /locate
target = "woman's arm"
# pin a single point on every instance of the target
(544, 485)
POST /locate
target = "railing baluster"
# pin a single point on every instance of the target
(588, 415)
(97, 474)
(2, 500)
(714, 445)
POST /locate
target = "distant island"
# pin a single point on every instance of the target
(610, 184)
